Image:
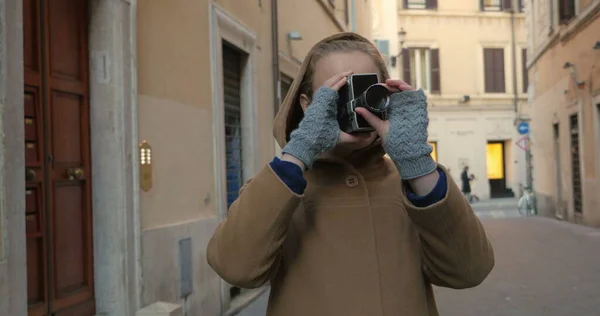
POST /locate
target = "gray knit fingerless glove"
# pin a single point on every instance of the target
(318, 131)
(406, 142)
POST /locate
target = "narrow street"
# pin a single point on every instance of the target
(544, 267)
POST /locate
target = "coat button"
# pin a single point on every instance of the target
(351, 181)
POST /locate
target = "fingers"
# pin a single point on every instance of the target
(391, 89)
(378, 124)
(398, 84)
(357, 140)
(337, 81)
(336, 86)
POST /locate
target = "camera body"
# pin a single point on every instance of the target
(361, 90)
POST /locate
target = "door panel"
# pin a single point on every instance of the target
(35, 210)
(59, 213)
(66, 23)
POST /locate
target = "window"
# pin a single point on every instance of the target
(494, 70)
(420, 4)
(566, 10)
(232, 78)
(525, 74)
(285, 83)
(521, 6)
(434, 152)
(422, 68)
(419, 66)
(496, 5)
(383, 46)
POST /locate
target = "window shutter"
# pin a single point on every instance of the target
(481, 5)
(406, 75)
(499, 70)
(405, 4)
(566, 10)
(435, 70)
(507, 5)
(488, 64)
(431, 4)
(525, 74)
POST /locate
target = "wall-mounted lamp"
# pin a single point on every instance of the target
(573, 72)
(464, 99)
(294, 36)
(401, 39)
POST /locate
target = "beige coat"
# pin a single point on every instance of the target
(352, 245)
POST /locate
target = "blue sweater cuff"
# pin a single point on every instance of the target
(436, 195)
(291, 174)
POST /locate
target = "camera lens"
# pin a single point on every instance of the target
(377, 98)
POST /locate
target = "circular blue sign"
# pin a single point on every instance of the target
(523, 128)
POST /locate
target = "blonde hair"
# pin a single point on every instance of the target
(340, 46)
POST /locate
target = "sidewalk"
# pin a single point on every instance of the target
(495, 204)
(256, 308)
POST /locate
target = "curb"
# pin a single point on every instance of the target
(241, 302)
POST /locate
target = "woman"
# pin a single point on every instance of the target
(335, 226)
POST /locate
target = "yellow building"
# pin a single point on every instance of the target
(461, 53)
(134, 123)
(564, 64)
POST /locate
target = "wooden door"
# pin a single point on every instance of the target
(57, 150)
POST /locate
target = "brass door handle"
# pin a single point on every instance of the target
(30, 174)
(75, 173)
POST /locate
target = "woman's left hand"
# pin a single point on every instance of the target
(381, 126)
(404, 134)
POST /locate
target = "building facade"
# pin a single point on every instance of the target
(564, 64)
(135, 123)
(461, 54)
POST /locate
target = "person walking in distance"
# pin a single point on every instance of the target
(466, 183)
(336, 226)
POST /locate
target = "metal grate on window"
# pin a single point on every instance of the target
(232, 67)
(416, 4)
(492, 5)
(576, 164)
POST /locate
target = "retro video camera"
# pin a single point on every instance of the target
(361, 90)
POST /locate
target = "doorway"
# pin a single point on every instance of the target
(60, 277)
(496, 166)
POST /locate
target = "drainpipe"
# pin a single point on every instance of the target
(353, 15)
(514, 59)
(275, 52)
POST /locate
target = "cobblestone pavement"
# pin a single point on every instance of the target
(544, 267)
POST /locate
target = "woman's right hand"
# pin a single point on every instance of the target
(319, 130)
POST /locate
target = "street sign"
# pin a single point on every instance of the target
(523, 143)
(523, 128)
